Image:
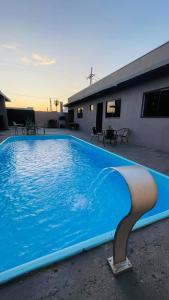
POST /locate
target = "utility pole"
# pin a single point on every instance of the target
(50, 104)
(91, 75)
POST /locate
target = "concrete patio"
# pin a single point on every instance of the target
(87, 276)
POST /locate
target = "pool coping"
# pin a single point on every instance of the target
(54, 257)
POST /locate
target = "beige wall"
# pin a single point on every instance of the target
(42, 117)
(150, 132)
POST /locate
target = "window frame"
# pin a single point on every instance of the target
(110, 115)
(143, 103)
(80, 114)
(91, 107)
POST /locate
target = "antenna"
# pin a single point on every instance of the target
(91, 75)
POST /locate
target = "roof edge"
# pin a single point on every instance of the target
(137, 59)
(119, 82)
(5, 97)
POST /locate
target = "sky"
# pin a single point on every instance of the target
(47, 47)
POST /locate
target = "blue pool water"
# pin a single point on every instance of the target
(56, 193)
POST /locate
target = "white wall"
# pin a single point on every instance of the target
(150, 132)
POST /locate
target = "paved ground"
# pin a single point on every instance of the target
(87, 276)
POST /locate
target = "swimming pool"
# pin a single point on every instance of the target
(58, 197)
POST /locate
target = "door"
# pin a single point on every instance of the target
(99, 117)
(71, 115)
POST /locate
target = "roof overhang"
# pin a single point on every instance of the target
(2, 95)
(117, 86)
(146, 64)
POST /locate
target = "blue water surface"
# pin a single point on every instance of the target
(57, 192)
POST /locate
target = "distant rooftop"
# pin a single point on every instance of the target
(153, 60)
(21, 108)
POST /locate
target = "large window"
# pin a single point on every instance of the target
(113, 108)
(156, 103)
(80, 112)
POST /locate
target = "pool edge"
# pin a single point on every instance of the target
(60, 255)
(71, 251)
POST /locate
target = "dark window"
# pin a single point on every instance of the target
(91, 107)
(156, 104)
(113, 108)
(80, 112)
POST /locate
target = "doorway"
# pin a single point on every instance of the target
(99, 117)
(71, 115)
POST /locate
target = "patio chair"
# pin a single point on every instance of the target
(123, 134)
(94, 134)
(17, 126)
(73, 125)
(110, 135)
(30, 127)
(40, 128)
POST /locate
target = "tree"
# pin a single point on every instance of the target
(56, 103)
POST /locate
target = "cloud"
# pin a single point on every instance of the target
(43, 60)
(25, 60)
(37, 59)
(9, 46)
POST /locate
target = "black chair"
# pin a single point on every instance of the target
(74, 126)
(110, 135)
(94, 133)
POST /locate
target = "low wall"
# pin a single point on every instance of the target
(42, 117)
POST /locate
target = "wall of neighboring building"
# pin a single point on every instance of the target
(20, 116)
(150, 132)
(3, 115)
(42, 117)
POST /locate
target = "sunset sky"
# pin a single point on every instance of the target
(48, 46)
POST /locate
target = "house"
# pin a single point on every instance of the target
(3, 112)
(41, 118)
(19, 115)
(135, 97)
